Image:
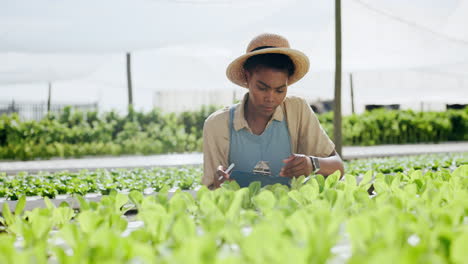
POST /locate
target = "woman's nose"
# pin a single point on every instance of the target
(269, 96)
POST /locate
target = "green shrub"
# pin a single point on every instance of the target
(76, 134)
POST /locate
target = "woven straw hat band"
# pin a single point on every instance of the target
(267, 41)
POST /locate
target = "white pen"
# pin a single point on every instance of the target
(227, 171)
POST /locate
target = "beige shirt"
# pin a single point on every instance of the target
(306, 133)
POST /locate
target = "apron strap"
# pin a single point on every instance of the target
(231, 129)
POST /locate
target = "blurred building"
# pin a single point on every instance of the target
(191, 100)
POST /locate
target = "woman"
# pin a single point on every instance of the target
(267, 128)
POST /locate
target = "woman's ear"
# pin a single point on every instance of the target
(247, 76)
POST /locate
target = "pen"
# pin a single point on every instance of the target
(227, 171)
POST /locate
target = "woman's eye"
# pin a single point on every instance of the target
(280, 91)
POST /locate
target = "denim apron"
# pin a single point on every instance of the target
(247, 149)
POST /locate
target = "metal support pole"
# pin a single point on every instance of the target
(49, 97)
(352, 92)
(129, 80)
(337, 135)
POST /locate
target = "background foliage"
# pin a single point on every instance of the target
(75, 134)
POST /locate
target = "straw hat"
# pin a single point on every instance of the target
(268, 43)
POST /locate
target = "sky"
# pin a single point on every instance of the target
(397, 50)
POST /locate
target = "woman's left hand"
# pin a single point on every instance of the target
(296, 165)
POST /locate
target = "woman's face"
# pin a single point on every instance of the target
(267, 89)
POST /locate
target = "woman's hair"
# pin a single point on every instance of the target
(270, 60)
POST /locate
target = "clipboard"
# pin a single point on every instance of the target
(245, 178)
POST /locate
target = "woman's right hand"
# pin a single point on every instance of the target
(221, 176)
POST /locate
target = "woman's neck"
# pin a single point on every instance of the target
(256, 121)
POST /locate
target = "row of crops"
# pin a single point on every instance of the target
(100, 181)
(155, 179)
(417, 214)
(75, 134)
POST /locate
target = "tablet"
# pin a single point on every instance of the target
(245, 178)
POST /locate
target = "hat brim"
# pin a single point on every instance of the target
(235, 70)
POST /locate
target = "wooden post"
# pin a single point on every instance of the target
(129, 80)
(337, 135)
(352, 92)
(49, 97)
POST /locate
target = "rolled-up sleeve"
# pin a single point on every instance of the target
(312, 138)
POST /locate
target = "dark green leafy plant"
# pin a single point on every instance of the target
(77, 134)
(157, 179)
